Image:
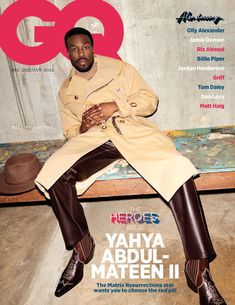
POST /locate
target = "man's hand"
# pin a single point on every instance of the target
(97, 114)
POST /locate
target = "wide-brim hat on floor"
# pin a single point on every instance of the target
(19, 174)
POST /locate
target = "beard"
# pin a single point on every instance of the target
(81, 69)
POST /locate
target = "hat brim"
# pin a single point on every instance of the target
(11, 189)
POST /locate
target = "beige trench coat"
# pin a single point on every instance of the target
(151, 153)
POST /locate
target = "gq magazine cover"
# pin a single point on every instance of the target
(184, 52)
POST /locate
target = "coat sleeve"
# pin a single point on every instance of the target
(139, 99)
(70, 122)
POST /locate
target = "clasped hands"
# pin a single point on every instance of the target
(97, 115)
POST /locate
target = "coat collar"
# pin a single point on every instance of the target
(107, 70)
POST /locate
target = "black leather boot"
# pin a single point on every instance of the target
(82, 254)
(200, 281)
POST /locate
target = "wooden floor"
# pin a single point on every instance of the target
(33, 255)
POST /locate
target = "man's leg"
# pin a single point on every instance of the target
(70, 214)
(188, 213)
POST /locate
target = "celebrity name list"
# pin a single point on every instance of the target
(209, 58)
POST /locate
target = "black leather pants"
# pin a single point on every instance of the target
(185, 205)
(65, 204)
(189, 217)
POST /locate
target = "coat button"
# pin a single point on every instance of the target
(76, 97)
(133, 105)
(104, 127)
(70, 79)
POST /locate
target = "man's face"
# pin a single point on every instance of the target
(80, 52)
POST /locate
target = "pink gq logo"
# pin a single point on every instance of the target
(52, 37)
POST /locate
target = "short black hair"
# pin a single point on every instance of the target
(77, 31)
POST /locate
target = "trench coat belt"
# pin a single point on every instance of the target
(114, 123)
